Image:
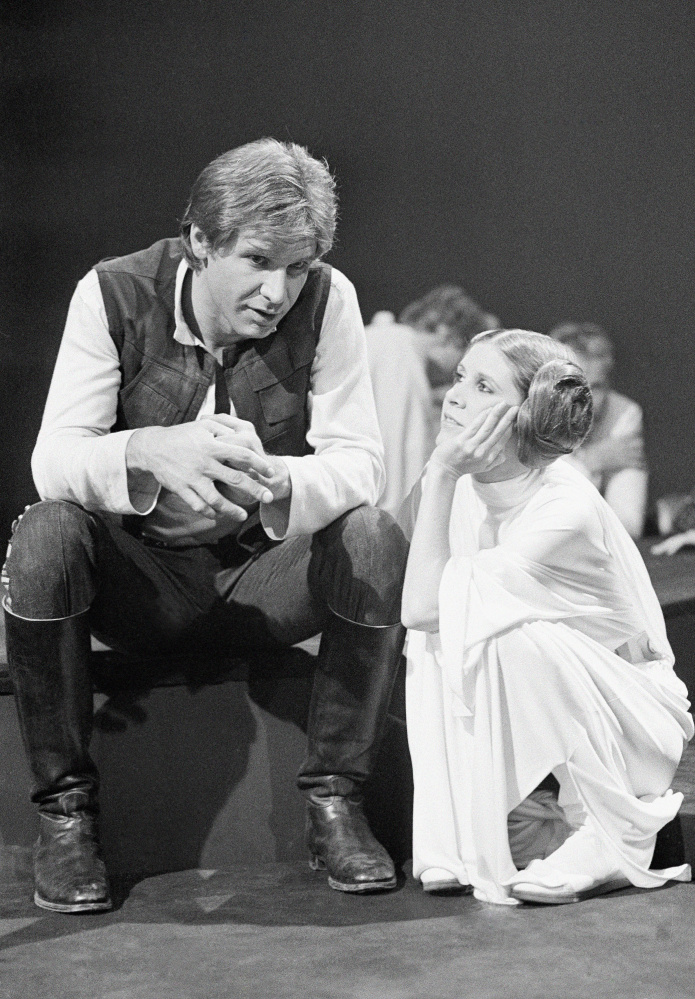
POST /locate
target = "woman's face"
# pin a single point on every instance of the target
(483, 379)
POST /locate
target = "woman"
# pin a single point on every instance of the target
(537, 646)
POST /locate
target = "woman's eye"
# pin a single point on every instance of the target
(483, 386)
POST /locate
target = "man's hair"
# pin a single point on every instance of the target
(587, 339)
(447, 305)
(273, 189)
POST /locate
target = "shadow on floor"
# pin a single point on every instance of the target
(277, 895)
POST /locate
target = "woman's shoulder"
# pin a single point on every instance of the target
(566, 494)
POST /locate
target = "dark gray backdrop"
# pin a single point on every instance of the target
(539, 153)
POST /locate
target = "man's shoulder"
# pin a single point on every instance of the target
(148, 263)
(623, 414)
(341, 286)
(341, 302)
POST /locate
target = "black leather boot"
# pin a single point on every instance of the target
(69, 873)
(49, 664)
(356, 669)
(340, 841)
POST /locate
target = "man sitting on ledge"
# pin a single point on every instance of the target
(208, 463)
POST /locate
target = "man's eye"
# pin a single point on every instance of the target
(296, 269)
(258, 260)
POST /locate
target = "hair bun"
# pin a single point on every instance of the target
(556, 416)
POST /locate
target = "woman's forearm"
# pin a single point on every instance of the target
(429, 551)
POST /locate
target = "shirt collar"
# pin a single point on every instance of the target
(182, 331)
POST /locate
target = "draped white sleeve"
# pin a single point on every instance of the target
(552, 656)
(563, 557)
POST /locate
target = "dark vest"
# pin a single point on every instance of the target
(164, 382)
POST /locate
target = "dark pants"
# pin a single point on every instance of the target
(137, 597)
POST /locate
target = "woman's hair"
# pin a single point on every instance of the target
(447, 305)
(275, 189)
(556, 412)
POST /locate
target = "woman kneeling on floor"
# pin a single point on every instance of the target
(536, 646)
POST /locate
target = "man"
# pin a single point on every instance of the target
(208, 463)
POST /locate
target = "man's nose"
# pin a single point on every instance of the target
(274, 286)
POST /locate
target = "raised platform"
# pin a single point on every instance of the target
(199, 770)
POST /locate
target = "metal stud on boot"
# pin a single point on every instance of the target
(340, 841)
(69, 873)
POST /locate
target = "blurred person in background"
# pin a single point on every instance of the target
(403, 405)
(612, 455)
(444, 321)
(412, 363)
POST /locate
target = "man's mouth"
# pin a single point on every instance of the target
(265, 317)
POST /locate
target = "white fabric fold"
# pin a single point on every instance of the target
(552, 656)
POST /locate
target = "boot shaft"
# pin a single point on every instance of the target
(355, 673)
(49, 664)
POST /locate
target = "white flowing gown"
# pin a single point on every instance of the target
(552, 656)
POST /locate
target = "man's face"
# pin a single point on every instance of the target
(246, 289)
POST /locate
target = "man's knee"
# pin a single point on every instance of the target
(371, 536)
(49, 561)
(363, 565)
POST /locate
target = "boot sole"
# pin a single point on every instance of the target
(527, 892)
(316, 864)
(68, 907)
(446, 888)
(361, 889)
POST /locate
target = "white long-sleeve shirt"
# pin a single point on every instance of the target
(78, 458)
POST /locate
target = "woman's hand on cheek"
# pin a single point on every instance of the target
(480, 446)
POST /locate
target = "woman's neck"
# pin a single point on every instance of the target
(510, 468)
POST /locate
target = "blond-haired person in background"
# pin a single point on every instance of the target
(612, 455)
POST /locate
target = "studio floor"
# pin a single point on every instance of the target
(278, 931)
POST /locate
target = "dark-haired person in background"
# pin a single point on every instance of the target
(612, 455)
(444, 320)
(208, 463)
(536, 646)
(412, 363)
